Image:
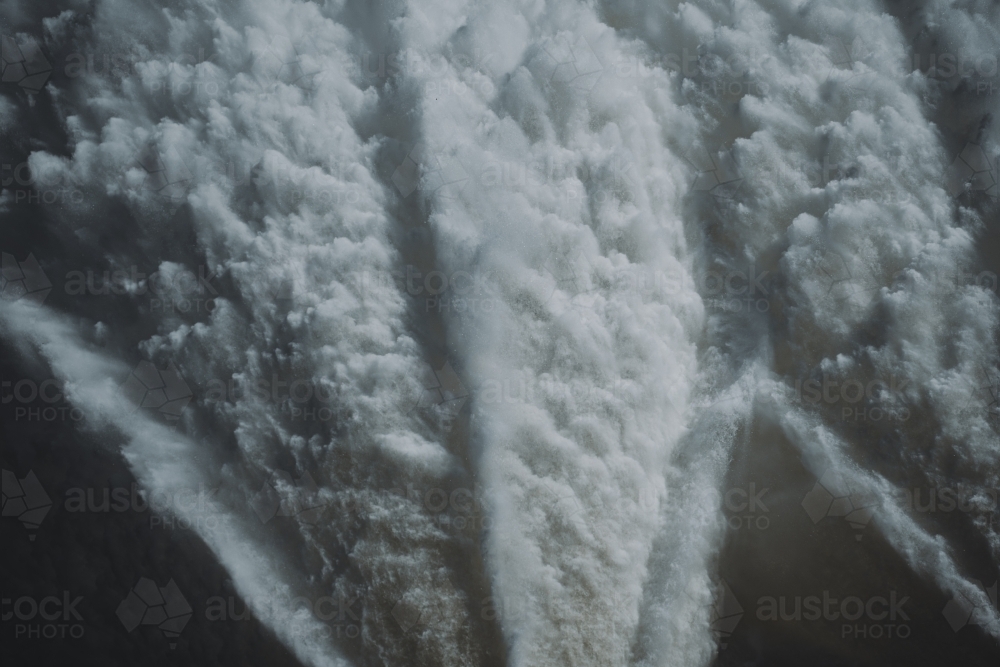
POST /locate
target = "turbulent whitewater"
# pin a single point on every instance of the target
(506, 296)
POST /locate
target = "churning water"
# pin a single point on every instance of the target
(527, 333)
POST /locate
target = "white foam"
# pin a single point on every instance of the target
(561, 160)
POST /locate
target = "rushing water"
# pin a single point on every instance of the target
(528, 333)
